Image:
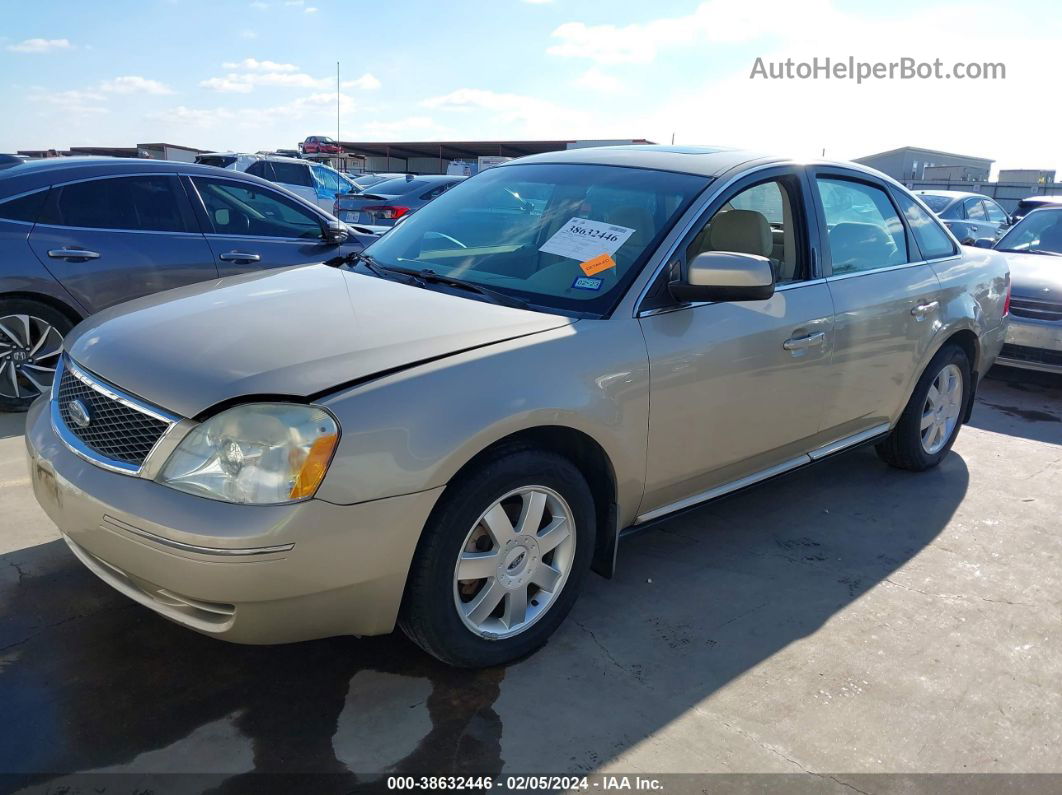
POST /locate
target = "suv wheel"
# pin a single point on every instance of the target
(501, 560)
(31, 341)
(931, 421)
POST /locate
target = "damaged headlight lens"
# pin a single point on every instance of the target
(259, 454)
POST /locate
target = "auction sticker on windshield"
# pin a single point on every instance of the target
(582, 239)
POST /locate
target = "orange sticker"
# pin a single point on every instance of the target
(602, 262)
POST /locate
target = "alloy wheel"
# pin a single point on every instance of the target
(514, 562)
(29, 353)
(941, 410)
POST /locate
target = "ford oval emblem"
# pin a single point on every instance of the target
(79, 413)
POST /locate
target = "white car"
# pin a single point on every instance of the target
(314, 182)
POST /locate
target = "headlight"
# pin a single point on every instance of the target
(259, 453)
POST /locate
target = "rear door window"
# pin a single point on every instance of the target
(864, 231)
(975, 210)
(930, 236)
(995, 213)
(142, 203)
(328, 178)
(24, 208)
(292, 174)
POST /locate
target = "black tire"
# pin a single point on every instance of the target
(39, 313)
(429, 615)
(903, 447)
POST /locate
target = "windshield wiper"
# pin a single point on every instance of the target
(428, 275)
(371, 265)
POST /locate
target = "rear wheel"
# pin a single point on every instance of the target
(501, 560)
(930, 423)
(31, 341)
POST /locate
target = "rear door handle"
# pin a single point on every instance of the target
(239, 256)
(799, 343)
(920, 311)
(73, 253)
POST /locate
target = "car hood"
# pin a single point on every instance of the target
(1035, 275)
(295, 332)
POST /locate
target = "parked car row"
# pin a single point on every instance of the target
(970, 216)
(78, 235)
(384, 202)
(448, 430)
(314, 182)
(1033, 250)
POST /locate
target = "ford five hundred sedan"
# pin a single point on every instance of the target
(448, 431)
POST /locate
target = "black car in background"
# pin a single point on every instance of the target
(1027, 205)
(78, 235)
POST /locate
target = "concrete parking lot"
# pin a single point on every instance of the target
(847, 619)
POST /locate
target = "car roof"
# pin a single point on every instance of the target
(951, 194)
(1043, 199)
(710, 161)
(34, 174)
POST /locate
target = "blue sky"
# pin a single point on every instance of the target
(236, 74)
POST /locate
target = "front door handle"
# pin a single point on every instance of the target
(920, 311)
(73, 253)
(239, 256)
(799, 343)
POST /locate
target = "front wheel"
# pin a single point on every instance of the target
(501, 560)
(930, 423)
(31, 342)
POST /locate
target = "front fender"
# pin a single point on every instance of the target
(414, 430)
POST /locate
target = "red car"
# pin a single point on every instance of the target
(320, 145)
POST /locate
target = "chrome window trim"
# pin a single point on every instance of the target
(114, 176)
(82, 450)
(887, 269)
(301, 240)
(119, 230)
(663, 310)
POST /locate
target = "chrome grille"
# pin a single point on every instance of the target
(118, 432)
(1036, 310)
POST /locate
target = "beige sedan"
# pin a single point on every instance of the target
(448, 432)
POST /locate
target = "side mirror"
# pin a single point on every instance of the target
(984, 242)
(725, 276)
(335, 232)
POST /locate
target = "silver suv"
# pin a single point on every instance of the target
(449, 431)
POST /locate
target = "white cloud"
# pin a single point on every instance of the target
(247, 33)
(71, 100)
(515, 113)
(366, 82)
(199, 118)
(133, 84)
(254, 65)
(712, 21)
(38, 46)
(310, 10)
(596, 80)
(538, 2)
(252, 73)
(258, 4)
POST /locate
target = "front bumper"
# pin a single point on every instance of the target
(1032, 345)
(245, 573)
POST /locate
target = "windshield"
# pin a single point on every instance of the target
(935, 203)
(1039, 231)
(568, 237)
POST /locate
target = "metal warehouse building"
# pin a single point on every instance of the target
(434, 157)
(911, 163)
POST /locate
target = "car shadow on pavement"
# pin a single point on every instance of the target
(12, 423)
(90, 681)
(1022, 403)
